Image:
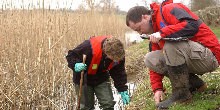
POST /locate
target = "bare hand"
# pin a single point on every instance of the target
(155, 37)
(158, 96)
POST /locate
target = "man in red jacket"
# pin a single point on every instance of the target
(105, 57)
(180, 61)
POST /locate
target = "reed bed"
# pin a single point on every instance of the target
(34, 43)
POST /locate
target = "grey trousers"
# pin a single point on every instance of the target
(198, 58)
(103, 93)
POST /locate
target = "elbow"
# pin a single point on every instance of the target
(192, 27)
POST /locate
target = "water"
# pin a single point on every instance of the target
(117, 97)
(132, 37)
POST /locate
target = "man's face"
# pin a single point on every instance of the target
(142, 27)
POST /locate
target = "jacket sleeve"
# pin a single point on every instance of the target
(153, 46)
(119, 76)
(156, 81)
(181, 22)
(75, 56)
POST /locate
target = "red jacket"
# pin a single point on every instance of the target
(177, 20)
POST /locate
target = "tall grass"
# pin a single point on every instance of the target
(33, 68)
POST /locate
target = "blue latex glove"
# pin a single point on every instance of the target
(79, 67)
(125, 97)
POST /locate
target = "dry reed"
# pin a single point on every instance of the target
(33, 69)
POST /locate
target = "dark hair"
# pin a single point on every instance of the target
(135, 14)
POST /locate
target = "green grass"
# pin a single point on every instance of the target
(216, 30)
(209, 100)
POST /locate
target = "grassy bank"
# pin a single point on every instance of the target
(216, 30)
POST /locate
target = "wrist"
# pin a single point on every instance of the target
(122, 91)
(158, 89)
(162, 34)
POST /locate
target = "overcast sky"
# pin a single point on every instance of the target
(127, 4)
(73, 4)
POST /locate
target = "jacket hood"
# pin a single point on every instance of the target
(154, 6)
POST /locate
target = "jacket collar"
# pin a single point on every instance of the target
(155, 9)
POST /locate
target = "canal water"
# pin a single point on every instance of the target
(117, 97)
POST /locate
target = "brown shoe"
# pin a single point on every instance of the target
(202, 88)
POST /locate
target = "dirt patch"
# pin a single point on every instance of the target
(135, 60)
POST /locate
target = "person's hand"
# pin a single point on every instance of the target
(79, 67)
(125, 97)
(155, 37)
(158, 96)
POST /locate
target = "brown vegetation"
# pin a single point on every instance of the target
(33, 69)
(210, 15)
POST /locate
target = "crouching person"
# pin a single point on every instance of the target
(105, 57)
(180, 61)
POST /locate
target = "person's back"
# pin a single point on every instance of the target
(105, 57)
(203, 34)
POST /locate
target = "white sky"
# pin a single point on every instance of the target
(127, 4)
(73, 4)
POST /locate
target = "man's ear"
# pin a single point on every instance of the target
(145, 16)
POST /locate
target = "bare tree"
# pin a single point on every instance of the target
(90, 4)
(108, 5)
(201, 4)
(145, 2)
(81, 7)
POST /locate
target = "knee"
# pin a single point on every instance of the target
(154, 58)
(147, 60)
(152, 61)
